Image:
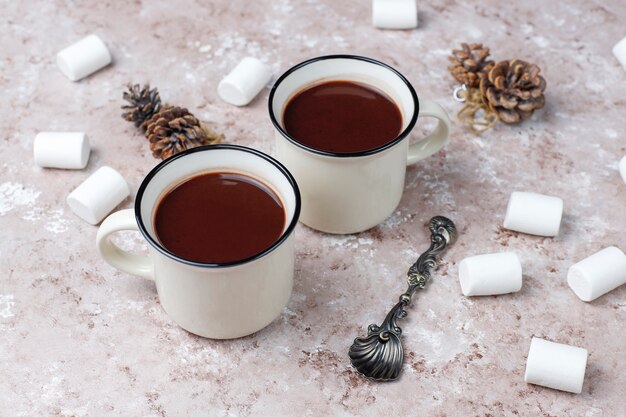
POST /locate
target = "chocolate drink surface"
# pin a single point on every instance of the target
(219, 217)
(342, 117)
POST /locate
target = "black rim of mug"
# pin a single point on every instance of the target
(158, 246)
(367, 152)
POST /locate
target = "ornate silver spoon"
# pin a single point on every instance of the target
(380, 355)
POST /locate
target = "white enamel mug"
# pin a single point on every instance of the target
(352, 192)
(214, 300)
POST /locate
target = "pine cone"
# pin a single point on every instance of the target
(513, 90)
(174, 129)
(143, 103)
(470, 64)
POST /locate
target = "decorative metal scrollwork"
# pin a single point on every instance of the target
(380, 355)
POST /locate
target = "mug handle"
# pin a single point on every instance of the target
(436, 140)
(124, 261)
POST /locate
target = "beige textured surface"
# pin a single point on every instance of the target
(80, 339)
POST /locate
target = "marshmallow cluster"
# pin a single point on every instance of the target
(101, 192)
(549, 364)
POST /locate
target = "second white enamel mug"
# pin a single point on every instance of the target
(352, 192)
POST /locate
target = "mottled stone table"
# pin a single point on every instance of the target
(80, 339)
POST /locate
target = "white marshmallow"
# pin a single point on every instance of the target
(622, 168)
(598, 274)
(619, 50)
(555, 365)
(69, 150)
(83, 58)
(244, 82)
(535, 214)
(98, 195)
(394, 14)
(490, 274)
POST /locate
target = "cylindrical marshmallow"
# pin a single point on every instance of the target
(83, 58)
(490, 274)
(622, 168)
(394, 14)
(69, 150)
(598, 274)
(98, 195)
(619, 50)
(555, 365)
(533, 213)
(244, 82)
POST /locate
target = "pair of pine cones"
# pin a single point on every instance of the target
(169, 129)
(512, 89)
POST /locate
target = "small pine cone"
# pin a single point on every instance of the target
(513, 90)
(143, 103)
(470, 64)
(174, 129)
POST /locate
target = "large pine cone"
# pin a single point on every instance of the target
(142, 104)
(470, 64)
(513, 90)
(174, 129)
